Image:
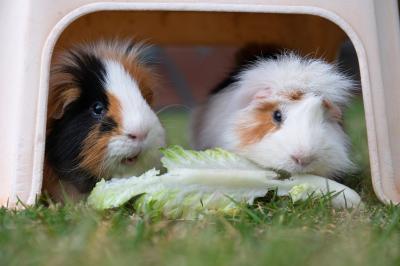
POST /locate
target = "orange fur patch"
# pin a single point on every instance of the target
(294, 95)
(257, 124)
(114, 111)
(267, 106)
(94, 150)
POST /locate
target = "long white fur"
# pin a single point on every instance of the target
(305, 129)
(137, 118)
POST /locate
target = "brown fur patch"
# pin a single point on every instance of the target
(94, 150)
(60, 99)
(257, 124)
(267, 106)
(56, 189)
(294, 95)
(114, 111)
(62, 92)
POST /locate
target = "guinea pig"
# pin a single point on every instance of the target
(282, 112)
(100, 123)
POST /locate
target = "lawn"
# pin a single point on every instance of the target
(274, 232)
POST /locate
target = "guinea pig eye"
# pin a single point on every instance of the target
(277, 116)
(97, 109)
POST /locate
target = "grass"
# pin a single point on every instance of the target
(269, 233)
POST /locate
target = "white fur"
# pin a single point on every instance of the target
(306, 129)
(138, 119)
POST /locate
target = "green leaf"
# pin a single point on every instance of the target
(199, 182)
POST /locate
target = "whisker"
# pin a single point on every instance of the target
(173, 105)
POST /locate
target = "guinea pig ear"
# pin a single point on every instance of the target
(334, 111)
(262, 94)
(252, 99)
(59, 99)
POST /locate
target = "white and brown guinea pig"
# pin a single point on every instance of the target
(282, 112)
(100, 122)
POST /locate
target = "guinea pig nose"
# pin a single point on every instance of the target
(302, 160)
(140, 136)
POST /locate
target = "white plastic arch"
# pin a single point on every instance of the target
(30, 30)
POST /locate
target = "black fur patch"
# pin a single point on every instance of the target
(232, 78)
(64, 142)
(129, 48)
(108, 124)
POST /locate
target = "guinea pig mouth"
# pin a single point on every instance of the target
(130, 160)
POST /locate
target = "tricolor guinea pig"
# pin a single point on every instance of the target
(282, 112)
(100, 122)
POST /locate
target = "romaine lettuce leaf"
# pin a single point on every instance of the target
(199, 182)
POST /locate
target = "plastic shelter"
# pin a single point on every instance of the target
(31, 30)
